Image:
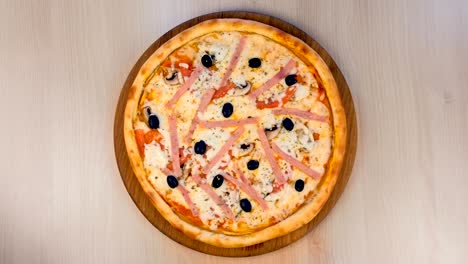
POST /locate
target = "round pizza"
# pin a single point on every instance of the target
(236, 132)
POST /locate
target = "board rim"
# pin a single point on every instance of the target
(150, 212)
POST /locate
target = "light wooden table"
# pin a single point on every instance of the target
(61, 68)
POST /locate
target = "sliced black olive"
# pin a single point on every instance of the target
(153, 122)
(245, 205)
(253, 164)
(299, 185)
(200, 147)
(273, 128)
(255, 63)
(207, 61)
(172, 181)
(217, 181)
(288, 124)
(290, 79)
(227, 110)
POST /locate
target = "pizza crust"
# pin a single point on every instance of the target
(321, 194)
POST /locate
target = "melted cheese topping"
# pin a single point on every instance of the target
(310, 142)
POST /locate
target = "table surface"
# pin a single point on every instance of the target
(62, 66)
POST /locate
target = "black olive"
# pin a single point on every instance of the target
(207, 61)
(255, 63)
(299, 185)
(290, 79)
(228, 108)
(253, 164)
(271, 128)
(217, 181)
(245, 146)
(288, 124)
(200, 147)
(153, 121)
(245, 205)
(172, 181)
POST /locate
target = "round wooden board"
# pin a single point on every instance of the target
(143, 203)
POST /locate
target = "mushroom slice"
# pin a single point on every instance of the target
(187, 168)
(243, 149)
(272, 132)
(172, 77)
(146, 110)
(304, 135)
(242, 88)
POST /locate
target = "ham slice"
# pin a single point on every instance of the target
(187, 199)
(213, 196)
(245, 186)
(224, 149)
(227, 123)
(174, 145)
(234, 60)
(295, 163)
(274, 80)
(204, 101)
(299, 113)
(270, 156)
(184, 87)
(166, 171)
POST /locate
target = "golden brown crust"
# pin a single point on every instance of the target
(308, 211)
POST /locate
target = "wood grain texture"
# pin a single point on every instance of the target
(62, 66)
(144, 204)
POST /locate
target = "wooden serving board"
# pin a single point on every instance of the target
(143, 203)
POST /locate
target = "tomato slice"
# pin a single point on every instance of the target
(184, 158)
(140, 140)
(287, 96)
(277, 187)
(181, 59)
(263, 104)
(185, 72)
(153, 135)
(222, 91)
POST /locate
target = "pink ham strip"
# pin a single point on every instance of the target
(234, 61)
(295, 163)
(224, 149)
(299, 113)
(274, 80)
(174, 145)
(270, 156)
(193, 77)
(187, 199)
(241, 175)
(205, 100)
(245, 186)
(166, 171)
(227, 123)
(213, 196)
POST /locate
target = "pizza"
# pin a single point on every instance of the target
(235, 131)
